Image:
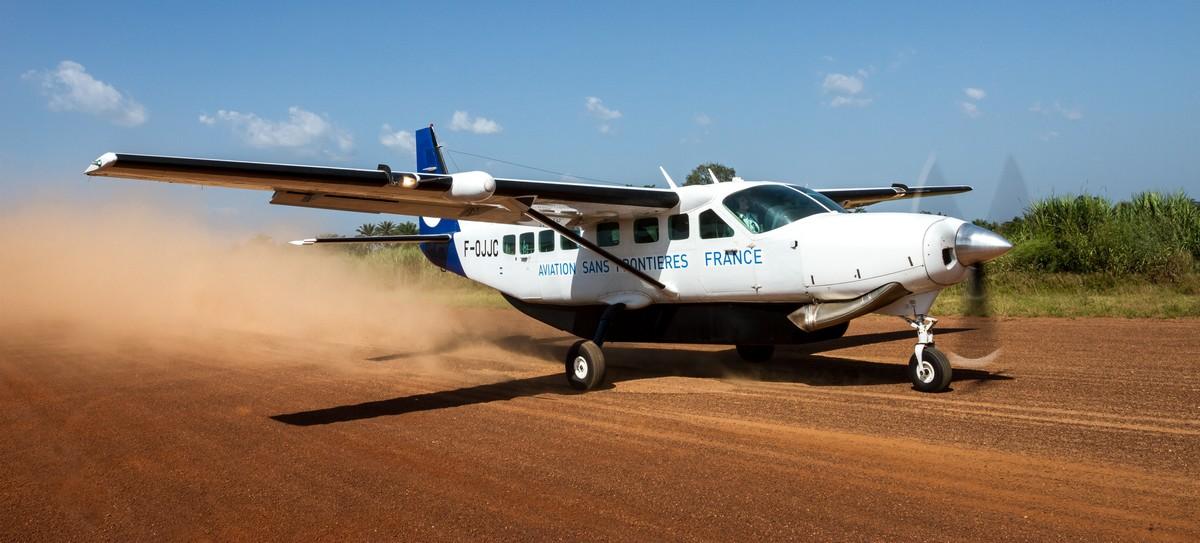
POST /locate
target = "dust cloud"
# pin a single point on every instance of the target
(136, 270)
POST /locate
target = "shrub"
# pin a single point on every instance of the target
(1152, 234)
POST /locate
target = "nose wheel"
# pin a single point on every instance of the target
(928, 368)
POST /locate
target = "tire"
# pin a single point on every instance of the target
(756, 353)
(936, 378)
(585, 365)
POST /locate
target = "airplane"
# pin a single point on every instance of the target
(752, 264)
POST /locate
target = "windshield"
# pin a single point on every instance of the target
(767, 207)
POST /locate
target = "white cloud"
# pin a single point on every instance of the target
(1073, 113)
(303, 130)
(1051, 135)
(462, 121)
(843, 84)
(970, 109)
(71, 88)
(702, 119)
(975, 93)
(401, 140)
(597, 109)
(846, 89)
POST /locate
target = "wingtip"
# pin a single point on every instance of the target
(100, 163)
(301, 242)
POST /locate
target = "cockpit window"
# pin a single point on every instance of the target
(767, 207)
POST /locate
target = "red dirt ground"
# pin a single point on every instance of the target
(1080, 430)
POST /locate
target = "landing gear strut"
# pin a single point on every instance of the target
(585, 359)
(928, 368)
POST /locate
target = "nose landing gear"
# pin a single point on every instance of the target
(928, 368)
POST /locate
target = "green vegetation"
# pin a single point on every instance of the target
(403, 265)
(699, 174)
(1153, 236)
(1024, 294)
(1087, 256)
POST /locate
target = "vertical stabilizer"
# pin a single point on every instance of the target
(429, 155)
(429, 160)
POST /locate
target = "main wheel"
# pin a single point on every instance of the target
(756, 353)
(933, 373)
(585, 365)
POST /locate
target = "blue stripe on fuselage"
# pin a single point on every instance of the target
(443, 255)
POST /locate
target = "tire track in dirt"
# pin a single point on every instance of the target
(230, 435)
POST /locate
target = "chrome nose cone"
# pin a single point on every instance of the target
(973, 244)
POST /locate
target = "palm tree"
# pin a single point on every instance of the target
(367, 229)
(406, 228)
(386, 228)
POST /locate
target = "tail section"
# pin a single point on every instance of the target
(429, 155)
(429, 160)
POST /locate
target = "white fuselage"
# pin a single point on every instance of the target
(826, 256)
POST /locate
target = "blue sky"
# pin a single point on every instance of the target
(1102, 97)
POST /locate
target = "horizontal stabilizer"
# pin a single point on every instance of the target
(413, 238)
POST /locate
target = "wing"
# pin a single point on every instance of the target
(849, 198)
(474, 196)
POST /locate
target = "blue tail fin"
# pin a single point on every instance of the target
(429, 160)
(429, 155)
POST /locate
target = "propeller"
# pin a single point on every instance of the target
(983, 347)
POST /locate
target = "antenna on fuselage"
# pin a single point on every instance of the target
(713, 176)
(667, 176)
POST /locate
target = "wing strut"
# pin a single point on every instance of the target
(573, 236)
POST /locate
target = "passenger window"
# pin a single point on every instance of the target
(711, 226)
(545, 241)
(608, 234)
(678, 227)
(566, 244)
(510, 244)
(527, 243)
(645, 230)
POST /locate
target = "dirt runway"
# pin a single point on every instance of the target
(1079, 430)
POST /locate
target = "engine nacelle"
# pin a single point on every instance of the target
(471, 186)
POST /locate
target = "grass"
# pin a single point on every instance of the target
(1153, 235)
(1024, 294)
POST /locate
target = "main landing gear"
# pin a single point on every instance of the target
(928, 368)
(585, 359)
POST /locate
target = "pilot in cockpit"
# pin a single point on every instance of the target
(750, 215)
